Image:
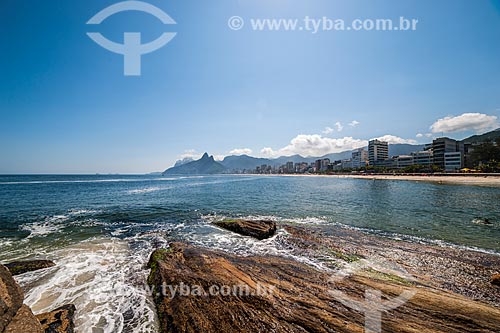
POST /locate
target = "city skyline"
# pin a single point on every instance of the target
(67, 108)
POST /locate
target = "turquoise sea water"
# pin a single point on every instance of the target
(101, 229)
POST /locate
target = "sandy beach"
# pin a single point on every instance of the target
(489, 181)
(473, 180)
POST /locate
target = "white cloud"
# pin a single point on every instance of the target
(327, 130)
(241, 151)
(339, 126)
(315, 145)
(190, 153)
(419, 135)
(391, 139)
(354, 123)
(219, 157)
(428, 135)
(466, 122)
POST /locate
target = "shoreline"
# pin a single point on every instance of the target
(470, 180)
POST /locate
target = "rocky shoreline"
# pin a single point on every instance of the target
(451, 288)
(443, 289)
(16, 317)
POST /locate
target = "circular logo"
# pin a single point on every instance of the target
(236, 23)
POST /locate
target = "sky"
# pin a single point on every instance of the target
(66, 107)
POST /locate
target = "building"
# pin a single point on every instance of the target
(453, 161)
(442, 146)
(359, 158)
(403, 161)
(324, 164)
(390, 163)
(289, 167)
(377, 151)
(424, 158)
(347, 164)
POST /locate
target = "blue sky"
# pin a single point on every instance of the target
(67, 108)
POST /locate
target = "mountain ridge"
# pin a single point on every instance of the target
(206, 165)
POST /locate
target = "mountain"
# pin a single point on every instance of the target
(345, 155)
(486, 137)
(207, 164)
(185, 160)
(204, 166)
(294, 158)
(244, 162)
(404, 149)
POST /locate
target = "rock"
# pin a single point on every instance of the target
(24, 321)
(14, 316)
(202, 290)
(11, 298)
(260, 229)
(20, 267)
(495, 280)
(58, 321)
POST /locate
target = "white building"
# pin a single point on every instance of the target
(424, 158)
(359, 158)
(377, 151)
(404, 161)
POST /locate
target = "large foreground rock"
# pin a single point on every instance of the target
(58, 321)
(21, 267)
(14, 316)
(274, 294)
(260, 229)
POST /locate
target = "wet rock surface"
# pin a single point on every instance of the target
(260, 229)
(58, 321)
(283, 295)
(21, 267)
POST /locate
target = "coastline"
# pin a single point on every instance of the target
(471, 180)
(488, 181)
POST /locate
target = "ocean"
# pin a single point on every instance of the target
(101, 229)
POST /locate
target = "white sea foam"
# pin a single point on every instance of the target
(104, 278)
(48, 226)
(233, 243)
(144, 190)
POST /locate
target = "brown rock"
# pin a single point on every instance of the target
(24, 321)
(11, 298)
(495, 280)
(58, 321)
(260, 229)
(20, 267)
(14, 316)
(274, 294)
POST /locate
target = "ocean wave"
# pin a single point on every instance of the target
(50, 225)
(106, 281)
(97, 180)
(56, 223)
(144, 190)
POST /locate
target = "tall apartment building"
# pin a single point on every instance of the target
(377, 151)
(443, 146)
(359, 158)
